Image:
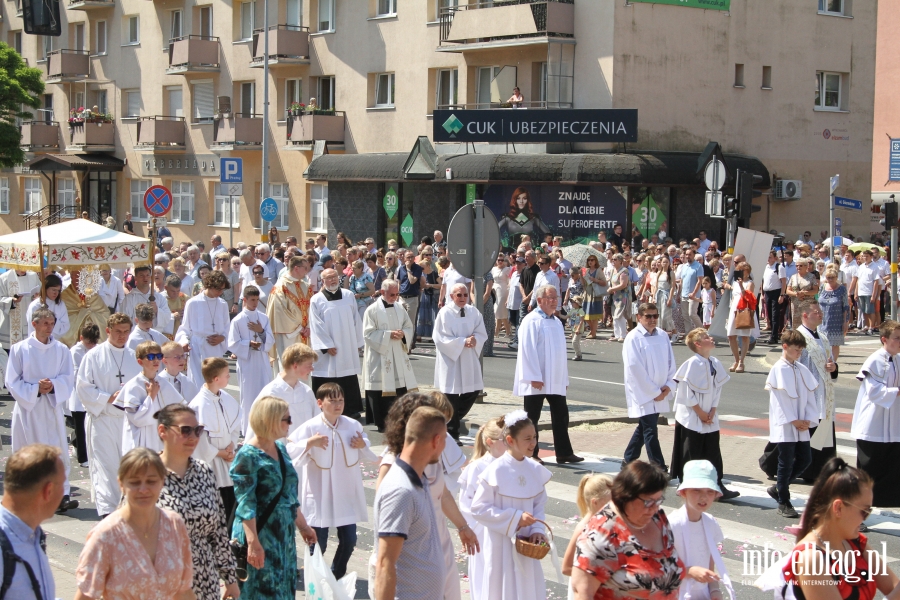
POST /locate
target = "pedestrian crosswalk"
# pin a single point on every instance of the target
(758, 428)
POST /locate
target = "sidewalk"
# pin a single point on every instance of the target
(856, 349)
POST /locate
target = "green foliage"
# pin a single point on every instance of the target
(21, 86)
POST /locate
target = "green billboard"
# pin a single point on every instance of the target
(708, 4)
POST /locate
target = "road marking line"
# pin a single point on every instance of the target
(736, 418)
(597, 380)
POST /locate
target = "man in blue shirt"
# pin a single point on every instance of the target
(32, 490)
(689, 277)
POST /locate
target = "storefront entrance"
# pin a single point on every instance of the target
(101, 195)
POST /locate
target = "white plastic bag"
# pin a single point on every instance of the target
(320, 581)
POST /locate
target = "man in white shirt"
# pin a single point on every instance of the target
(774, 285)
(247, 262)
(884, 273)
(273, 266)
(215, 243)
(545, 277)
(704, 242)
(848, 270)
(321, 247)
(867, 286)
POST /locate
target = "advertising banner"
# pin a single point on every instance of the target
(894, 167)
(543, 125)
(709, 4)
(576, 212)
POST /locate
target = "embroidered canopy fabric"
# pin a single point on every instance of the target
(78, 242)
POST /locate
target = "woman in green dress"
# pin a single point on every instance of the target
(262, 471)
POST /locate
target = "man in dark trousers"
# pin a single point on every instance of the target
(526, 284)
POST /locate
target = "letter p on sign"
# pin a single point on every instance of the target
(232, 170)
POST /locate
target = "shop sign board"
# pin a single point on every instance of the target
(525, 125)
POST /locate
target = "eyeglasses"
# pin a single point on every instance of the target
(257, 272)
(221, 260)
(287, 420)
(653, 503)
(461, 295)
(656, 316)
(865, 511)
(187, 430)
(154, 356)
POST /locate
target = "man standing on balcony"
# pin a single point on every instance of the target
(15, 296)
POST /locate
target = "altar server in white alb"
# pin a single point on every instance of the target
(40, 376)
(250, 339)
(297, 363)
(204, 328)
(388, 334)
(542, 371)
(16, 289)
(143, 328)
(649, 382)
(336, 333)
(141, 293)
(103, 372)
(52, 289)
(876, 418)
(326, 451)
(510, 503)
(142, 397)
(699, 380)
(87, 339)
(219, 413)
(174, 363)
(459, 335)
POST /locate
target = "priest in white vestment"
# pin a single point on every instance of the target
(876, 418)
(204, 328)
(649, 382)
(388, 334)
(142, 397)
(542, 370)
(287, 308)
(336, 333)
(40, 377)
(250, 339)
(141, 295)
(15, 295)
(459, 335)
(103, 373)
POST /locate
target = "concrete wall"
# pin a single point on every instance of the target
(887, 84)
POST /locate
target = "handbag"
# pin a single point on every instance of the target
(598, 291)
(239, 549)
(743, 317)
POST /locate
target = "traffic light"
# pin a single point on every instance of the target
(889, 209)
(746, 194)
(731, 207)
(41, 17)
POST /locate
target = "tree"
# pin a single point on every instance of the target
(20, 86)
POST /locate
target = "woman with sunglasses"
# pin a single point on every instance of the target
(190, 490)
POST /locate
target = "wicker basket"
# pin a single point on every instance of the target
(536, 551)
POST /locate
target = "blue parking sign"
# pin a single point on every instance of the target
(231, 170)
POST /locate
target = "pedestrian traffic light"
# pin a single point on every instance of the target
(731, 207)
(41, 17)
(889, 210)
(746, 194)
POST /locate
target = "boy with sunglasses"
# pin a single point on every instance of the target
(175, 361)
(220, 415)
(142, 397)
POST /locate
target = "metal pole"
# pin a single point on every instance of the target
(231, 219)
(831, 221)
(153, 248)
(478, 250)
(893, 252)
(265, 131)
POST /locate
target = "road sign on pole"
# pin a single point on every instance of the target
(847, 203)
(234, 189)
(157, 200)
(268, 210)
(461, 240)
(714, 175)
(231, 170)
(837, 226)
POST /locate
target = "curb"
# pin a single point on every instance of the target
(547, 425)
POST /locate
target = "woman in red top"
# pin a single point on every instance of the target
(840, 501)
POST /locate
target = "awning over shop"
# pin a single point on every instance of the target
(76, 162)
(640, 168)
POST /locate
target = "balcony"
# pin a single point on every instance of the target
(304, 129)
(40, 136)
(238, 132)
(65, 66)
(288, 45)
(90, 4)
(93, 137)
(193, 54)
(491, 24)
(532, 105)
(161, 132)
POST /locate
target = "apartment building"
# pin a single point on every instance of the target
(184, 82)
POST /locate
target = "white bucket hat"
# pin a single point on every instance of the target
(699, 475)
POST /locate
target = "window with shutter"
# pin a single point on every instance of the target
(133, 107)
(204, 102)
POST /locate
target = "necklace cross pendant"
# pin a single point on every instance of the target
(120, 376)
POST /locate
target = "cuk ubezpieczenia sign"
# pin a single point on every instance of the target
(536, 125)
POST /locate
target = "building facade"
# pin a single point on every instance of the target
(184, 85)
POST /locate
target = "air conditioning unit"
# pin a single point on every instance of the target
(788, 189)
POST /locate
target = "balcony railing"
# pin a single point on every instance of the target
(100, 137)
(161, 131)
(90, 4)
(40, 135)
(68, 65)
(239, 130)
(288, 44)
(507, 20)
(304, 129)
(56, 213)
(533, 105)
(193, 54)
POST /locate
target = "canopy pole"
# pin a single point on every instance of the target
(152, 297)
(41, 263)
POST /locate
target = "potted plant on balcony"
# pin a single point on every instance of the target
(75, 115)
(297, 108)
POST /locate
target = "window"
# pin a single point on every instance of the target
(4, 195)
(292, 92)
(100, 101)
(447, 80)
(175, 108)
(384, 89)
(78, 100)
(138, 188)
(279, 193)
(294, 13)
(828, 91)
(132, 30)
(206, 23)
(443, 6)
(132, 103)
(767, 78)
(17, 41)
(47, 111)
(182, 202)
(177, 28)
(831, 7)
(46, 46)
(33, 199)
(225, 209)
(386, 8)
(79, 37)
(65, 196)
(100, 42)
(542, 94)
(325, 98)
(318, 207)
(483, 86)
(248, 18)
(739, 75)
(248, 96)
(203, 102)
(326, 15)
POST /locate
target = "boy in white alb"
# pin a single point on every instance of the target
(297, 363)
(326, 451)
(174, 361)
(250, 339)
(144, 332)
(87, 339)
(205, 324)
(793, 409)
(142, 397)
(220, 415)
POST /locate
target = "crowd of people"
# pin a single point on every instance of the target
(200, 494)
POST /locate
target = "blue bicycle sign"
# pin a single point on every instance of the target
(268, 209)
